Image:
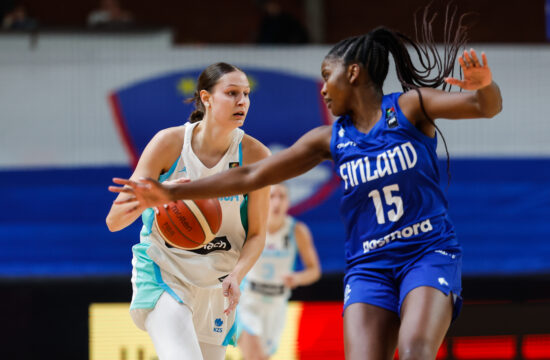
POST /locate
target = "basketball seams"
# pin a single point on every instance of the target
(202, 220)
(178, 230)
(219, 212)
(192, 212)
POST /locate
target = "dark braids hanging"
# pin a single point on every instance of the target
(372, 51)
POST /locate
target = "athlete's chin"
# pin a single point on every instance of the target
(335, 111)
(238, 122)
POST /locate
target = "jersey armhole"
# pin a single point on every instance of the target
(167, 174)
(148, 215)
(403, 120)
(334, 139)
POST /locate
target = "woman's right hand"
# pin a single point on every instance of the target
(476, 74)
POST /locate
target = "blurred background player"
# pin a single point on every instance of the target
(178, 295)
(266, 289)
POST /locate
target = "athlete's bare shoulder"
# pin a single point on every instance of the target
(172, 134)
(166, 146)
(253, 150)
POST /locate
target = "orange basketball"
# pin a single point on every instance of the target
(189, 224)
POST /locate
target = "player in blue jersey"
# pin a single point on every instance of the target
(402, 282)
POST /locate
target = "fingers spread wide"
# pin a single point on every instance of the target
(120, 189)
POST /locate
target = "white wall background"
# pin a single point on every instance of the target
(54, 110)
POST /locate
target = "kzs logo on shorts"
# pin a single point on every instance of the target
(218, 323)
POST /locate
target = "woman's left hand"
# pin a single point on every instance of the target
(232, 292)
(476, 75)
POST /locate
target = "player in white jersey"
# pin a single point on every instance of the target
(266, 288)
(178, 295)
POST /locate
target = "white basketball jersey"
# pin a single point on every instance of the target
(209, 265)
(277, 260)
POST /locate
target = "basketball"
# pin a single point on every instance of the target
(189, 224)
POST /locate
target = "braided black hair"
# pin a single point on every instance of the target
(372, 51)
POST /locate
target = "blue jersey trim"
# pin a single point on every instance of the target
(166, 175)
(231, 338)
(148, 216)
(163, 285)
(148, 290)
(241, 153)
(244, 204)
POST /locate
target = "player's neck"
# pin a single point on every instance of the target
(274, 225)
(366, 109)
(211, 140)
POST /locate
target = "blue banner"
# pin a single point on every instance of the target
(53, 220)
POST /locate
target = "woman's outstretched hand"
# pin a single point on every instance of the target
(144, 193)
(476, 75)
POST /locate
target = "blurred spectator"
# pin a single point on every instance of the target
(18, 19)
(279, 27)
(110, 15)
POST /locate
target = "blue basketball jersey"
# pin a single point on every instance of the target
(393, 206)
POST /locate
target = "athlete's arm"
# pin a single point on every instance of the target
(258, 204)
(483, 100)
(157, 158)
(308, 151)
(310, 259)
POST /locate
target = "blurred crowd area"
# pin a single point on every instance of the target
(273, 21)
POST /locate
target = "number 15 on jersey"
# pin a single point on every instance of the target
(394, 202)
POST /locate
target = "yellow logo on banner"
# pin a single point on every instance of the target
(252, 82)
(186, 86)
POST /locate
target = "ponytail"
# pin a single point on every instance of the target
(372, 51)
(199, 111)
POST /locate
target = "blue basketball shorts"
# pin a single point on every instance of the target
(387, 288)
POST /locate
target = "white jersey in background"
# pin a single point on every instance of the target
(262, 308)
(277, 260)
